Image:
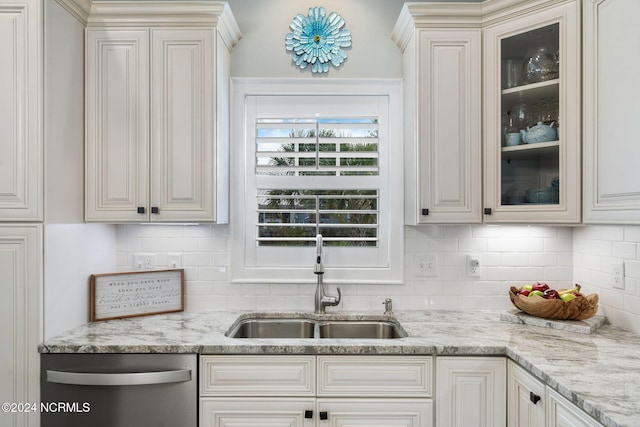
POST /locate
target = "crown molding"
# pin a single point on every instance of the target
(461, 15)
(79, 9)
(105, 13)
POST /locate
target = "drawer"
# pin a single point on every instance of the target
(375, 376)
(257, 375)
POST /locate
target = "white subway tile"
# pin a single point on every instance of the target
(195, 231)
(486, 231)
(212, 245)
(456, 231)
(517, 259)
(558, 273)
(632, 269)
(612, 232)
(168, 245)
(558, 245)
(632, 233)
(515, 245)
(197, 259)
(213, 273)
(472, 245)
(540, 259)
(625, 250)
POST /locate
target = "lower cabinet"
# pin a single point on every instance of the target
(526, 398)
(532, 404)
(20, 321)
(562, 413)
(470, 391)
(316, 391)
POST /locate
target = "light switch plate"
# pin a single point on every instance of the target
(425, 265)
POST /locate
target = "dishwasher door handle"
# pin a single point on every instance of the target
(128, 378)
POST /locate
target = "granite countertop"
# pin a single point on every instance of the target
(599, 372)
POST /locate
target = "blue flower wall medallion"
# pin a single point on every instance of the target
(318, 39)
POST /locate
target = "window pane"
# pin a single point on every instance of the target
(294, 217)
(317, 147)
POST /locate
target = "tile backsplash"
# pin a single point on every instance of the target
(595, 250)
(508, 255)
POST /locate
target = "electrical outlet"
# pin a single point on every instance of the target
(425, 265)
(473, 265)
(618, 275)
(174, 260)
(144, 261)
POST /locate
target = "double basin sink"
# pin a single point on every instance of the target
(301, 327)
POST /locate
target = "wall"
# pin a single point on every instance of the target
(72, 250)
(264, 24)
(508, 254)
(596, 248)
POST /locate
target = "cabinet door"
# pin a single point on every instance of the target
(446, 150)
(470, 391)
(21, 188)
(611, 107)
(375, 412)
(562, 413)
(117, 121)
(532, 116)
(525, 400)
(182, 124)
(20, 324)
(258, 412)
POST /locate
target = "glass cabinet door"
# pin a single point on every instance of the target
(532, 101)
(530, 161)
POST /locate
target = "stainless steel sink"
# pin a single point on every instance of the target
(361, 329)
(273, 328)
(287, 328)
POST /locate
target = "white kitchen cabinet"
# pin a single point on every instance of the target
(611, 109)
(314, 391)
(470, 391)
(525, 398)
(21, 147)
(20, 320)
(536, 179)
(157, 123)
(562, 413)
(442, 116)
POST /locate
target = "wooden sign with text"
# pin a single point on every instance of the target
(132, 294)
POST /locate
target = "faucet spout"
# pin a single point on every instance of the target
(318, 268)
(322, 300)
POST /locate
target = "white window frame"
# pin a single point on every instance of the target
(250, 264)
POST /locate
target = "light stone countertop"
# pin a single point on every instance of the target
(598, 372)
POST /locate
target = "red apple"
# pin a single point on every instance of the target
(550, 294)
(524, 292)
(540, 287)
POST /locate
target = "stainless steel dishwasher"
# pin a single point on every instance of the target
(119, 390)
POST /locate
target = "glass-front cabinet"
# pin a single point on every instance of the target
(532, 120)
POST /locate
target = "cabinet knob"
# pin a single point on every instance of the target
(324, 415)
(155, 210)
(308, 414)
(487, 211)
(534, 398)
(425, 212)
(141, 209)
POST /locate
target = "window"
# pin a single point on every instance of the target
(314, 162)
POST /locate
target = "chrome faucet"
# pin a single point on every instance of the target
(322, 299)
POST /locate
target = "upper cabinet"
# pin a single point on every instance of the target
(21, 170)
(611, 111)
(442, 117)
(157, 116)
(532, 114)
(519, 101)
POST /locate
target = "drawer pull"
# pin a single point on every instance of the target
(308, 414)
(324, 415)
(534, 398)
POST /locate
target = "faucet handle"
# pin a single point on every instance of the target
(339, 296)
(388, 306)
